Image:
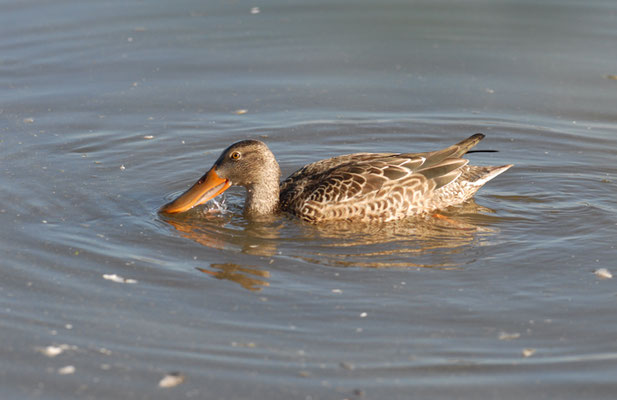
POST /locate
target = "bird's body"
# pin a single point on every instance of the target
(354, 187)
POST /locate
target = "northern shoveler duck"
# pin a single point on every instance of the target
(354, 187)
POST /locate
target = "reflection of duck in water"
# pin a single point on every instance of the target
(353, 187)
(256, 238)
(247, 276)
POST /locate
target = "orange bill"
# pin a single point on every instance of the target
(207, 187)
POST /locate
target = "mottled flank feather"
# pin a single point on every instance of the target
(384, 186)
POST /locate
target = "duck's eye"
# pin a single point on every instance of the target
(235, 155)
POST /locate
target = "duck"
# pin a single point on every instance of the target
(366, 187)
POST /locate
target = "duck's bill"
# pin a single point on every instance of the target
(207, 187)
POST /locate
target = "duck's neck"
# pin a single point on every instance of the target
(262, 198)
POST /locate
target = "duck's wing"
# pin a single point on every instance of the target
(364, 185)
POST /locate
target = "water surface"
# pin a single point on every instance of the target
(108, 110)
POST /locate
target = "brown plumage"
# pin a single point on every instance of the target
(358, 187)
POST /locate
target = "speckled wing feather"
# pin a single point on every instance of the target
(371, 186)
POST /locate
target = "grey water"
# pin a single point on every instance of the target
(110, 109)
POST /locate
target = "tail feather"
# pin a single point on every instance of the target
(464, 146)
(478, 176)
(434, 158)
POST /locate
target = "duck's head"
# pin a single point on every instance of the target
(248, 163)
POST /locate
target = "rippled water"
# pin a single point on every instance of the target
(110, 109)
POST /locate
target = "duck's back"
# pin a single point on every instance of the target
(383, 186)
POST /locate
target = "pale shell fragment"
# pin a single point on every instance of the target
(603, 273)
(509, 336)
(172, 379)
(118, 278)
(69, 369)
(51, 351)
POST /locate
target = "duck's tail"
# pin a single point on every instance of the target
(464, 146)
(475, 175)
(478, 176)
(455, 151)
